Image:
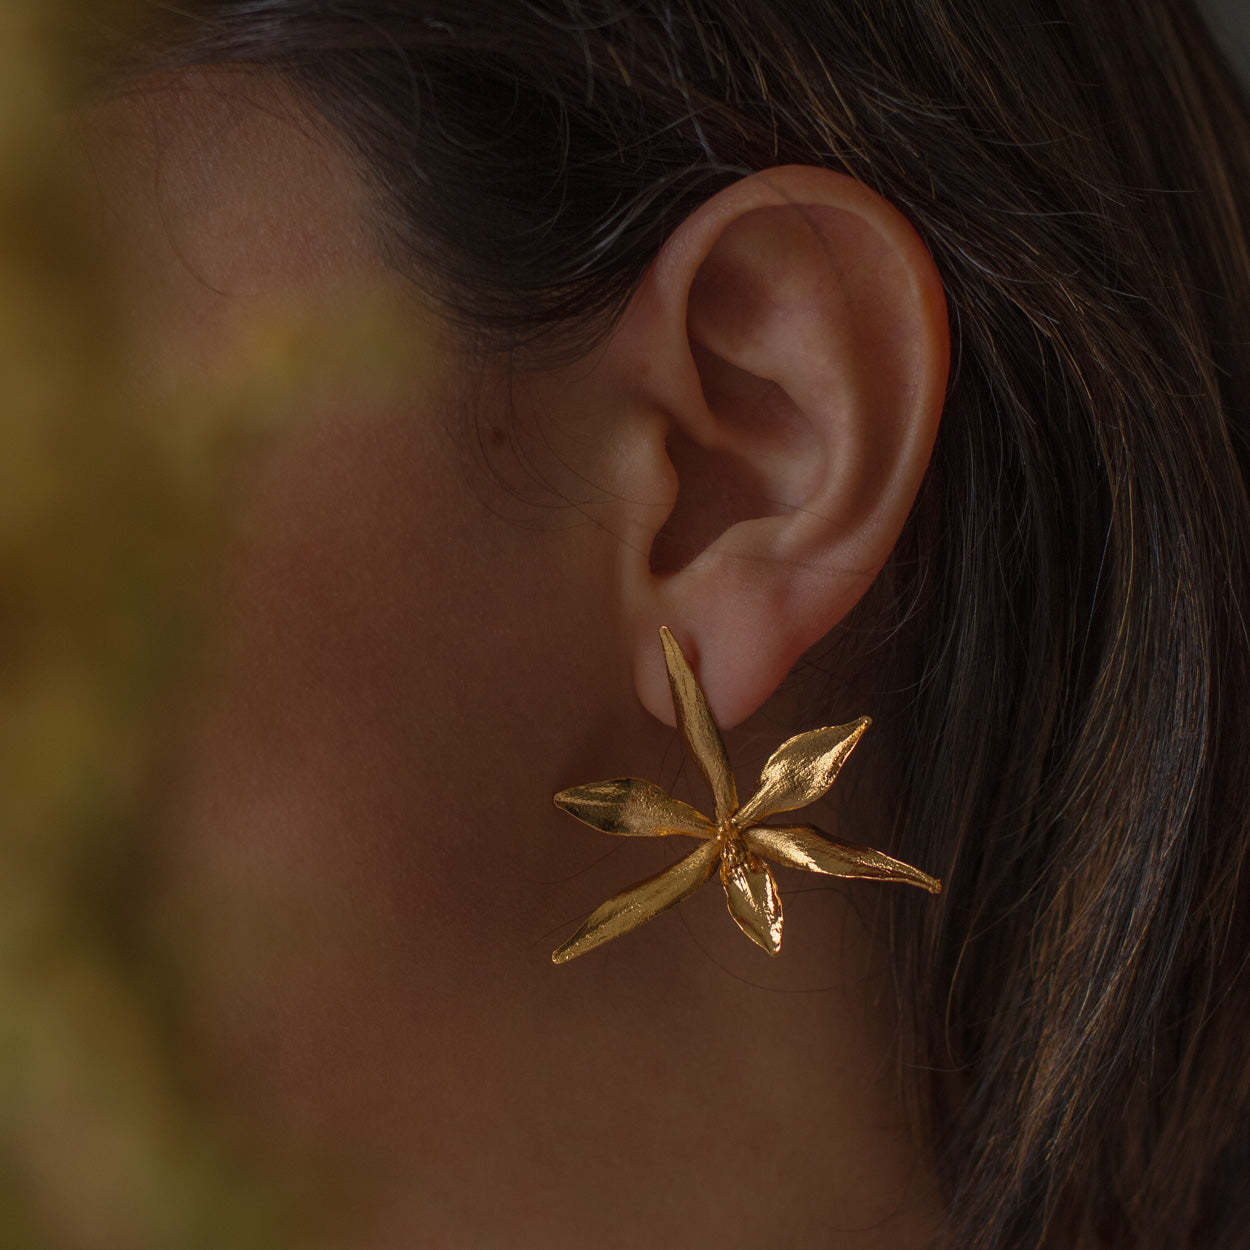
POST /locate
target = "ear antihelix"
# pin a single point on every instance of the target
(718, 488)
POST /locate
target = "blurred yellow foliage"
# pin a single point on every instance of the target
(109, 504)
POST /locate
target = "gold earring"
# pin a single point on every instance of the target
(797, 773)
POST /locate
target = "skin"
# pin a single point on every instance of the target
(416, 643)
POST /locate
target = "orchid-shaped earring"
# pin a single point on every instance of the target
(797, 773)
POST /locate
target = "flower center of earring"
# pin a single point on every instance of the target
(733, 849)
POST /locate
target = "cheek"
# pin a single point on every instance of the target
(362, 829)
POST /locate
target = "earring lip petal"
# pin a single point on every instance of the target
(753, 901)
(699, 731)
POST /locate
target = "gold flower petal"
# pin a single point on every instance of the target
(801, 769)
(636, 906)
(801, 846)
(698, 730)
(753, 901)
(631, 806)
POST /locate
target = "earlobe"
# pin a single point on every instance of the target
(793, 332)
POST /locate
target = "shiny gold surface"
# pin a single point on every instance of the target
(698, 730)
(801, 770)
(753, 901)
(798, 772)
(631, 806)
(802, 846)
(636, 906)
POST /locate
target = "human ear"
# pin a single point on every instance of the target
(790, 344)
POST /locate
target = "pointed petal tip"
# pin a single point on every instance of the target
(763, 941)
(773, 946)
(674, 656)
(570, 803)
(671, 648)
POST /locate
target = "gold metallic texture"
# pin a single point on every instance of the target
(698, 730)
(798, 772)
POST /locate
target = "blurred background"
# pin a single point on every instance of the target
(111, 509)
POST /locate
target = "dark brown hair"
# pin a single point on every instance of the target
(1064, 623)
